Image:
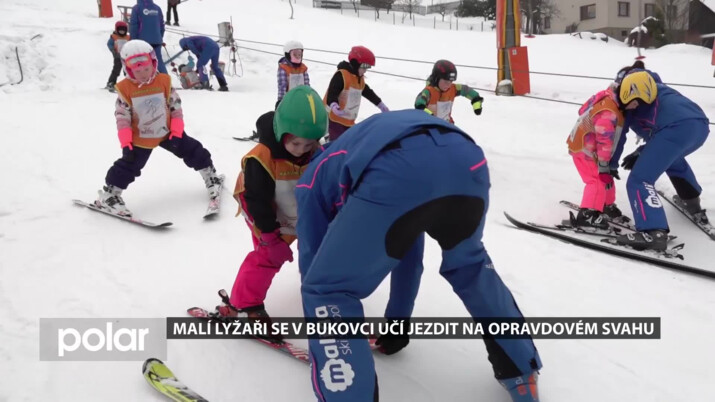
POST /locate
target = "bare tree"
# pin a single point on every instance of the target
(379, 4)
(675, 18)
(549, 10)
(355, 4)
(409, 5)
(442, 10)
(536, 11)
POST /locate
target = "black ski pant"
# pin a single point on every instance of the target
(169, 7)
(129, 166)
(116, 68)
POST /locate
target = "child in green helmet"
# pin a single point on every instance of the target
(265, 194)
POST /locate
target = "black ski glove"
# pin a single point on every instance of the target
(630, 160)
(614, 173)
(390, 344)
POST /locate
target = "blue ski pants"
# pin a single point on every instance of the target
(430, 183)
(665, 152)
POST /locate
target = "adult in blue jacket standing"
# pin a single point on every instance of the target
(147, 24)
(673, 127)
(364, 205)
(205, 49)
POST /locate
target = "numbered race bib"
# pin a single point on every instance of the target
(151, 113)
(295, 80)
(352, 106)
(287, 206)
(119, 43)
(443, 110)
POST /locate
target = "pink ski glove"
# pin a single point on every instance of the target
(606, 179)
(177, 128)
(335, 108)
(275, 249)
(382, 107)
(125, 138)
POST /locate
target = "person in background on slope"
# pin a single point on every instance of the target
(291, 70)
(265, 194)
(590, 144)
(172, 5)
(673, 127)
(346, 89)
(437, 98)
(205, 50)
(364, 206)
(149, 114)
(116, 40)
(147, 24)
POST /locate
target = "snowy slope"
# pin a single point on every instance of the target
(57, 260)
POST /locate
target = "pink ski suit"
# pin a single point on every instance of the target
(265, 191)
(591, 144)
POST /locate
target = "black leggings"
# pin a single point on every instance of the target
(168, 13)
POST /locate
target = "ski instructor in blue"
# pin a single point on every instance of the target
(147, 24)
(206, 50)
(364, 205)
(673, 127)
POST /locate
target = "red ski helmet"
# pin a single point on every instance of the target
(120, 24)
(361, 55)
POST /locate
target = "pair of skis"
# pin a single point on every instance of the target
(212, 211)
(161, 378)
(253, 137)
(607, 244)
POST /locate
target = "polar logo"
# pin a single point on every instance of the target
(652, 200)
(150, 12)
(337, 375)
(108, 340)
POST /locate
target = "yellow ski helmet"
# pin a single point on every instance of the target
(638, 85)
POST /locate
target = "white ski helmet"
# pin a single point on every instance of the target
(137, 47)
(292, 45)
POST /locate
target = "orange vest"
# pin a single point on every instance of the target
(286, 175)
(291, 72)
(349, 97)
(119, 41)
(584, 125)
(151, 117)
(440, 103)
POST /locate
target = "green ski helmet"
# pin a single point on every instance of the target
(301, 113)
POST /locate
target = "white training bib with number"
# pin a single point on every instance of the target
(286, 206)
(295, 80)
(152, 115)
(444, 109)
(119, 43)
(352, 105)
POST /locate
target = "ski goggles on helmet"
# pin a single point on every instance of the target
(365, 66)
(138, 60)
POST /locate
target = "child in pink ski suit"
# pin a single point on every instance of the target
(591, 144)
(265, 191)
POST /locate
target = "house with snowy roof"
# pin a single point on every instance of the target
(615, 18)
(702, 22)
